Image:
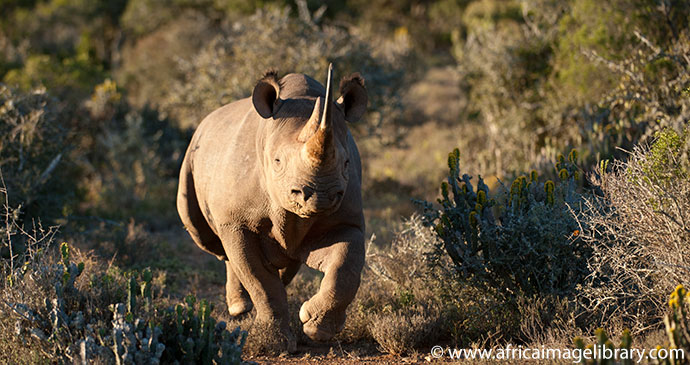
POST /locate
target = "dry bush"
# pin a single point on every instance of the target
(404, 332)
(409, 318)
(547, 320)
(265, 339)
(33, 142)
(411, 296)
(639, 231)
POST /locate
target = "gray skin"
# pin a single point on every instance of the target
(272, 182)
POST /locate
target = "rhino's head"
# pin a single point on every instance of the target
(306, 153)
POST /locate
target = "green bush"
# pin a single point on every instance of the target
(543, 76)
(524, 241)
(667, 159)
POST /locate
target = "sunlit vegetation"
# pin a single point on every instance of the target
(560, 216)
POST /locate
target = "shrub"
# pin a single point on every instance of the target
(542, 76)
(71, 78)
(524, 241)
(119, 162)
(129, 159)
(33, 146)
(411, 296)
(677, 330)
(67, 306)
(226, 68)
(636, 230)
(404, 331)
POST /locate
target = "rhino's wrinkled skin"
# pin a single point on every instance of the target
(272, 182)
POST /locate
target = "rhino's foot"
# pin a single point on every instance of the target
(320, 325)
(239, 306)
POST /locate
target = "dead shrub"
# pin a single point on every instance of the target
(411, 296)
(639, 231)
(402, 332)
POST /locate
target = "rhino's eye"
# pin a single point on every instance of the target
(347, 163)
(277, 161)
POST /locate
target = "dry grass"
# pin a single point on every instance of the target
(403, 332)
(639, 231)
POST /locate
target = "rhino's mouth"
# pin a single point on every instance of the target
(316, 206)
(309, 212)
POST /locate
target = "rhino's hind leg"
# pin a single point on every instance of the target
(237, 297)
(341, 259)
(191, 216)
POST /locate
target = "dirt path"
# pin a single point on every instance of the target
(335, 353)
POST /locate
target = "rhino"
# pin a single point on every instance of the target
(272, 182)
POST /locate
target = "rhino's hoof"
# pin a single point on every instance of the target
(320, 327)
(239, 307)
(316, 333)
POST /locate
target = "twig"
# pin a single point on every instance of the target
(18, 312)
(46, 173)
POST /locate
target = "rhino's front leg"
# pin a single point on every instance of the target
(340, 256)
(261, 280)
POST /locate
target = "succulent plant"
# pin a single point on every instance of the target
(603, 341)
(138, 332)
(520, 239)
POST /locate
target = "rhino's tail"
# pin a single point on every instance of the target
(192, 217)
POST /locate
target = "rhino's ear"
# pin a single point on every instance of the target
(353, 97)
(265, 94)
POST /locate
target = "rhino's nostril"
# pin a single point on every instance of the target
(337, 196)
(304, 193)
(307, 192)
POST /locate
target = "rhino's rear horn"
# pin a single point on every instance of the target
(265, 94)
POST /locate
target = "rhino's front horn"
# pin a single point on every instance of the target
(319, 147)
(326, 117)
